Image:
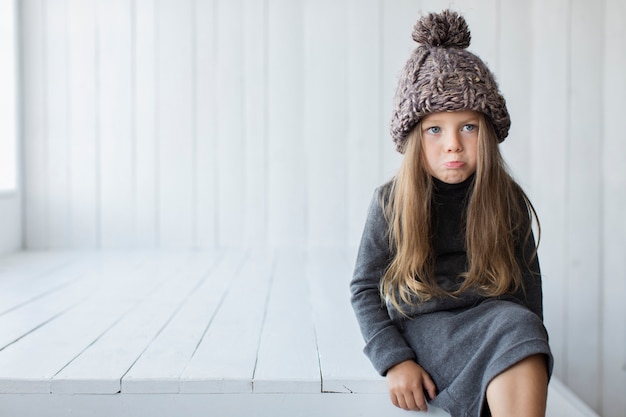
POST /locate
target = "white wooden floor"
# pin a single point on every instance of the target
(189, 333)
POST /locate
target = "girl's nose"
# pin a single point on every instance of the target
(453, 143)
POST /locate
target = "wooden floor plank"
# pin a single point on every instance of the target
(160, 367)
(224, 362)
(20, 267)
(100, 368)
(29, 365)
(344, 367)
(287, 358)
(23, 281)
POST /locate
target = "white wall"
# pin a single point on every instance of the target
(219, 123)
(10, 192)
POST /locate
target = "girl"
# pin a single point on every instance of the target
(446, 288)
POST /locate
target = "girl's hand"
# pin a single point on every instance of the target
(407, 382)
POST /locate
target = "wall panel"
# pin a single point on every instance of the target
(116, 147)
(613, 174)
(230, 122)
(174, 128)
(550, 124)
(205, 102)
(583, 230)
(255, 125)
(57, 126)
(144, 129)
(83, 191)
(514, 78)
(33, 45)
(324, 126)
(286, 183)
(364, 109)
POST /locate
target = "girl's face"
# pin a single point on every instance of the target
(450, 144)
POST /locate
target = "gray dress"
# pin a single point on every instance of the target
(463, 342)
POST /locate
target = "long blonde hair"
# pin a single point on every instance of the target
(498, 219)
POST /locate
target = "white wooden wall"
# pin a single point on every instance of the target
(216, 123)
(10, 195)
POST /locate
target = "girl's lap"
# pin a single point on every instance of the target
(464, 349)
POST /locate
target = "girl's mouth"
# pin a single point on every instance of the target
(454, 164)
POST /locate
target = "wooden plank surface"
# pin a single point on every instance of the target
(161, 365)
(225, 359)
(343, 366)
(114, 288)
(287, 357)
(101, 366)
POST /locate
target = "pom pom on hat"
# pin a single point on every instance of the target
(441, 75)
(447, 30)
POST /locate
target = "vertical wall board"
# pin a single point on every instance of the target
(255, 132)
(34, 130)
(83, 186)
(583, 231)
(430, 6)
(10, 177)
(614, 206)
(398, 19)
(548, 136)
(514, 69)
(57, 100)
(364, 117)
(144, 125)
(175, 123)
(116, 147)
(484, 23)
(286, 153)
(325, 125)
(205, 102)
(230, 120)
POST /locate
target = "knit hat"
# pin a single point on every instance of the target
(441, 75)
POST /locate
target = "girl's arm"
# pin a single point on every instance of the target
(385, 345)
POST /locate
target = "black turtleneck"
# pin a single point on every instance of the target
(449, 209)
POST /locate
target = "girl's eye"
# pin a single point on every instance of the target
(434, 130)
(470, 128)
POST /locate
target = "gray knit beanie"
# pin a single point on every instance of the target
(441, 75)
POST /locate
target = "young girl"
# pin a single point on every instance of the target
(446, 287)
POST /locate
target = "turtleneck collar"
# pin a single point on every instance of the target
(460, 189)
(443, 187)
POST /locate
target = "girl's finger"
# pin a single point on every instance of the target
(430, 387)
(419, 401)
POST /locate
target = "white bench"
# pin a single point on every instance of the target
(189, 333)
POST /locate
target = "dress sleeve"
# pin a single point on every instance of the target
(384, 344)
